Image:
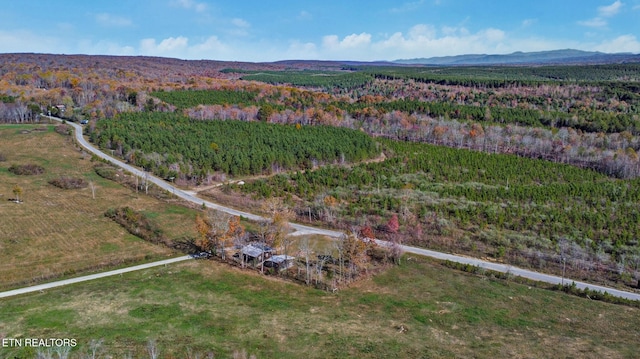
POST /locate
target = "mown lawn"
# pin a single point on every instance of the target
(417, 310)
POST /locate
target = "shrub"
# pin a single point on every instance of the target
(69, 182)
(63, 129)
(137, 224)
(106, 171)
(26, 170)
(2, 157)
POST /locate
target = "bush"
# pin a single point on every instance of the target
(63, 129)
(69, 183)
(2, 157)
(137, 224)
(26, 170)
(106, 171)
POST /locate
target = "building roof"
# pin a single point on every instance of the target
(281, 258)
(256, 249)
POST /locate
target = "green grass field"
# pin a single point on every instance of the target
(58, 232)
(417, 310)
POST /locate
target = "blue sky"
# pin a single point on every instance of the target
(259, 30)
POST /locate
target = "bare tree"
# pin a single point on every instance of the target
(152, 349)
(280, 215)
(63, 351)
(42, 353)
(322, 260)
(94, 347)
(306, 250)
(395, 250)
(93, 189)
(339, 248)
(146, 182)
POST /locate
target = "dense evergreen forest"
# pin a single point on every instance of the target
(192, 98)
(326, 80)
(585, 123)
(496, 205)
(172, 145)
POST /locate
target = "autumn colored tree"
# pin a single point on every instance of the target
(234, 230)
(203, 228)
(216, 230)
(17, 191)
(353, 254)
(393, 225)
(367, 232)
(265, 112)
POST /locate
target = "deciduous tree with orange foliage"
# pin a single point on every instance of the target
(216, 230)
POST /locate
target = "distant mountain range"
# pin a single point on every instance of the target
(563, 57)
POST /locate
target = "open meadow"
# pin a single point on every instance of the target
(416, 310)
(56, 232)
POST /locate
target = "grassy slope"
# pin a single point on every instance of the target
(204, 306)
(58, 231)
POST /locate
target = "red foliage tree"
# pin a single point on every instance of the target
(367, 232)
(393, 225)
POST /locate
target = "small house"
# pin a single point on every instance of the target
(279, 262)
(256, 252)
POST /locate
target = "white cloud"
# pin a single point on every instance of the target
(421, 31)
(241, 27)
(208, 48)
(171, 46)
(301, 50)
(407, 7)
(624, 43)
(26, 41)
(211, 48)
(240, 23)
(333, 43)
(595, 22)
(65, 26)
(104, 47)
(304, 15)
(424, 41)
(610, 10)
(105, 19)
(604, 12)
(191, 5)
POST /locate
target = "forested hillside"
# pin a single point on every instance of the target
(455, 141)
(503, 206)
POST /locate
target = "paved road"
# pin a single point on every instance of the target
(302, 229)
(41, 287)
(505, 268)
(184, 194)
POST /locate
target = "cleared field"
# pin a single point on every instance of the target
(417, 310)
(58, 232)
